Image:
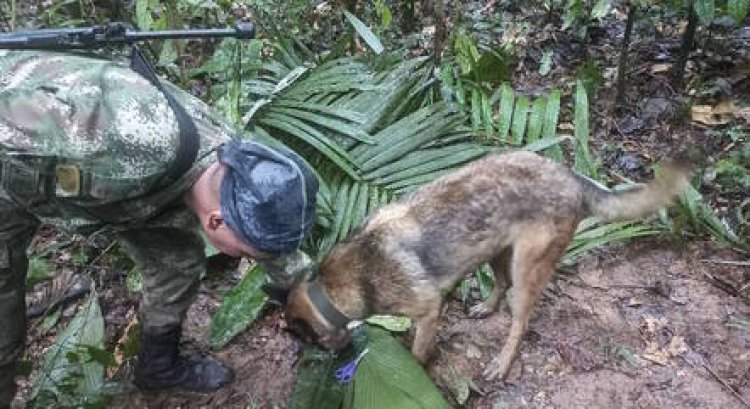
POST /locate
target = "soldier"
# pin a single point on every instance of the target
(89, 143)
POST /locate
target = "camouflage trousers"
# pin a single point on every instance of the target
(170, 260)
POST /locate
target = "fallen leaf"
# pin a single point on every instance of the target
(724, 108)
(677, 346)
(655, 354)
(654, 324)
(635, 302)
(659, 68)
(743, 114)
(566, 126)
(719, 114)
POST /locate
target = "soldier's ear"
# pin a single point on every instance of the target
(214, 221)
(277, 295)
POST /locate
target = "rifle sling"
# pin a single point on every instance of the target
(189, 140)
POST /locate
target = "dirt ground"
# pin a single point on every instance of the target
(634, 326)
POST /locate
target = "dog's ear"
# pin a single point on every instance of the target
(277, 295)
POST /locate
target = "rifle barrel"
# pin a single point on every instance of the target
(113, 33)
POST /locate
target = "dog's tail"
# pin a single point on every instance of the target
(639, 202)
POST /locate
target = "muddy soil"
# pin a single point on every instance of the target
(634, 326)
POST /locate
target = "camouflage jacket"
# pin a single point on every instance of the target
(108, 121)
(113, 126)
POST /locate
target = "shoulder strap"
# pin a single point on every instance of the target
(189, 141)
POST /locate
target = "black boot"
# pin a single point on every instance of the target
(7, 385)
(160, 366)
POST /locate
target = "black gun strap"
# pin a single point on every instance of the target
(189, 140)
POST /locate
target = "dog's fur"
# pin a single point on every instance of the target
(517, 211)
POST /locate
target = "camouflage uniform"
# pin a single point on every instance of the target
(119, 132)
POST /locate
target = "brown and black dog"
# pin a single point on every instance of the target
(516, 211)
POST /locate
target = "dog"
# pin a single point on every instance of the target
(516, 211)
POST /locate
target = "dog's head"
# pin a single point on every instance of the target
(306, 320)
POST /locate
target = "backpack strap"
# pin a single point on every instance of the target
(189, 140)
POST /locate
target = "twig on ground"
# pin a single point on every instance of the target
(722, 284)
(727, 262)
(716, 376)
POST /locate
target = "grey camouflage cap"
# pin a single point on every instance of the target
(267, 195)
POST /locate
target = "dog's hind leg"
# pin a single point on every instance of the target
(534, 258)
(426, 329)
(501, 267)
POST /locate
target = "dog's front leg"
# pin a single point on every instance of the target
(501, 267)
(424, 338)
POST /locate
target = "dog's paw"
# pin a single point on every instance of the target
(481, 310)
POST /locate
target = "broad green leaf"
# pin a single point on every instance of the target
(50, 320)
(332, 123)
(520, 117)
(384, 198)
(390, 377)
(545, 66)
(535, 119)
(705, 9)
(426, 161)
(68, 362)
(493, 67)
(313, 137)
(507, 99)
(328, 110)
(168, 54)
(417, 158)
(476, 110)
(359, 212)
(404, 184)
(446, 82)
(591, 235)
(240, 307)
(38, 270)
(374, 200)
(370, 38)
(545, 143)
(738, 9)
(134, 281)
(390, 322)
(408, 134)
(704, 219)
(601, 9)
(549, 128)
(347, 219)
(143, 15)
(460, 92)
(316, 386)
(487, 118)
(486, 279)
(387, 376)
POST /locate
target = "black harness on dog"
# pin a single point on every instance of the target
(323, 304)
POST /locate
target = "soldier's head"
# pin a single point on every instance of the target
(257, 201)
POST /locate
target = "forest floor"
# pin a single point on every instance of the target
(648, 324)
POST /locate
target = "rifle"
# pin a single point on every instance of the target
(114, 33)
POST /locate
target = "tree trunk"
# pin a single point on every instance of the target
(678, 74)
(439, 40)
(622, 67)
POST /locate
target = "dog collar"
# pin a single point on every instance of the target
(320, 300)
